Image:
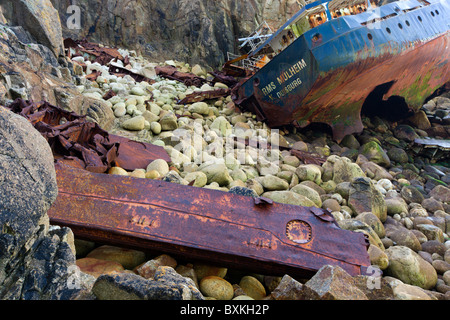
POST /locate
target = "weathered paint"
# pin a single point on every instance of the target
(208, 225)
(346, 59)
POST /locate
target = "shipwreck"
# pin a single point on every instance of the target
(323, 64)
(232, 229)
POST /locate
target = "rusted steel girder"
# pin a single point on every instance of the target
(207, 225)
(205, 95)
(121, 72)
(84, 144)
(172, 73)
(98, 54)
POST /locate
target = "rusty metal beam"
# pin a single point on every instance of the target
(84, 144)
(121, 72)
(204, 95)
(172, 73)
(102, 55)
(207, 225)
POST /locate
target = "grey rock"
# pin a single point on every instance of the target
(288, 289)
(332, 283)
(411, 194)
(169, 276)
(364, 197)
(411, 268)
(243, 191)
(36, 263)
(40, 19)
(128, 286)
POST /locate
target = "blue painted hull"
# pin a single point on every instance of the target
(326, 74)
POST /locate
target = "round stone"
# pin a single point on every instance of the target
(331, 204)
(155, 127)
(118, 171)
(159, 165)
(216, 287)
(134, 124)
(128, 258)
(252, 287)
(411, 268)
(198, 178)
(152, 174)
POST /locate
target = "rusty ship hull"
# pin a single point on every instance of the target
(327, 73)
(206, 225)
(188, 222)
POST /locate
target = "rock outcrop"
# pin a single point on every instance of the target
(39, 18)
(31, 71)
(195, 31)
(36, 260)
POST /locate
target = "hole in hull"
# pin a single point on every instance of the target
(392, 109)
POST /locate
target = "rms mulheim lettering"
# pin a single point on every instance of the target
(288, 80)
(292, 71)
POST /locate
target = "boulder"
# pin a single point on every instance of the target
(36, 260)
(420, 120)
(398, 155)
(408, 292)
(288, 289)
(372, 170)
(374, 222)
(289, 197)
(200, 108)
(403, 237)
(373, 152)
(149, 268)
(364, 197)
(441, 193)
(432, 232)
(217, 173)
(411, 194)
(332, 283)
(410, 267)
(340, 169)
(41, 20)
(128, 258)
(168, 122)
(167, 275)
(221, 126)
(405, 132)
(129, 286)
(216, 287)
(134, 124)
(309, 193)
(272, 183)
(396, 206)
(309, 172)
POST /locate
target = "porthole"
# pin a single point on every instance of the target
(369, 35)
(388, 30)
(407, 23)
(420, 18)
(432, 13)
(437, 12)
(316, 37)
(400, 26)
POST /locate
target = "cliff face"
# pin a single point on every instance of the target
(195, 31)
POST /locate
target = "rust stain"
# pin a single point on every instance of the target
(189, 79)
(84, 144)
(204, 95)
(203, 224)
